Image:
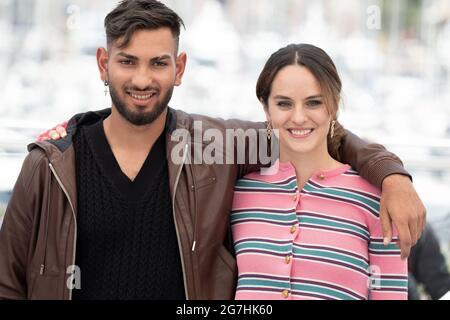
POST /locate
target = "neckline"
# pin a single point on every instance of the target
(131, 189)
(318, 174)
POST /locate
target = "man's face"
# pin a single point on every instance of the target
(142, 75)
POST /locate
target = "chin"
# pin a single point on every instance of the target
(302, 147)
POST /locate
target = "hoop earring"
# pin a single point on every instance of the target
(269, 131)
(333, 123)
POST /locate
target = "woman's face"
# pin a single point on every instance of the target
(296, 107)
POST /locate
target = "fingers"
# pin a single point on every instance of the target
(414, 231)
(405, 243)
(422, 221)
(61, 131)
(54, 135)
(386, 225)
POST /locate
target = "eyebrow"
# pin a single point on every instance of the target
(282, 97)
(128, 56)
(131, 57)
(317, 96)
(160, 58)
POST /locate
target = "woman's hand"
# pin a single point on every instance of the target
(55, 133)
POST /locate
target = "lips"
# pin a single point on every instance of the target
(300, 133)
(141, 98)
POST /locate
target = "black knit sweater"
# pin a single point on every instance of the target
(126, 241)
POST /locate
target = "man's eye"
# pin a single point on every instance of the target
(159, 64)
(126, 62)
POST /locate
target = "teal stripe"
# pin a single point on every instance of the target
(308, 288)
(380, 247)
(267, 283)
(375, 205)
(331, 255)
(331, 223)
(289, 217)
(388, 283)
(281, 248)
(264, 185)
(394, 283)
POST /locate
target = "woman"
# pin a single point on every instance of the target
(312, 229)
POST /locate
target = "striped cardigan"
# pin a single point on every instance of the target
(324, 242)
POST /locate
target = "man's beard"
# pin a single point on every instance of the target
(139, 118)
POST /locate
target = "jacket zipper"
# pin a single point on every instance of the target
(194, 190)
(74, 218)
(175, 220)
(47, 218)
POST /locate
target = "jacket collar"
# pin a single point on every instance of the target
(88, 118)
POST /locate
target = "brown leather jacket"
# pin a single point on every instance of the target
(38, 236)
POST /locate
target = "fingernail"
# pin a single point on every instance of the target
(386, 241)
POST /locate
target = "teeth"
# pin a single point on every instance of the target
(300, 132)
(141, 97)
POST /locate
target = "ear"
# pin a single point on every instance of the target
(102, 63)
(266, 109)
(180, 64)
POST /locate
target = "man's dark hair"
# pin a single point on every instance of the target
(133, 15)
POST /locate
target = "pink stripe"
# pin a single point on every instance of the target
(252, 263)
(263, 200)
(346, 278)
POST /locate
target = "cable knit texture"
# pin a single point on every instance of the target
(126, 245)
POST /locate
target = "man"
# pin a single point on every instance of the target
(106, 213)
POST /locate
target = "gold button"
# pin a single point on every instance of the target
(293, 229)
(321, 177)
(285, 293)
(287, 259)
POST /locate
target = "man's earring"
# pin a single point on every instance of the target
(333, 123)
(269, 131)
(106, 87)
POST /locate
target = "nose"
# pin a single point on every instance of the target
(298, 115)
(142, 78)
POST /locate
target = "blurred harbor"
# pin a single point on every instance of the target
(393, 57)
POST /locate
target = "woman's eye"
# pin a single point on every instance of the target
(313, 103)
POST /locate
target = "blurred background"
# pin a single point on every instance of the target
(393, 57)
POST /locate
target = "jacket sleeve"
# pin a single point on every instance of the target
(16, 230)
(372, 161)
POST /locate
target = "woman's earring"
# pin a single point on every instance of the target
(106, 87)
(269, 131)
(333, 123)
